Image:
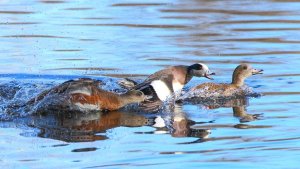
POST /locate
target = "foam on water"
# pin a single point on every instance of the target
(14, 94)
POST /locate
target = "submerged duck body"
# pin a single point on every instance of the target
(235, 87)
(83, 95)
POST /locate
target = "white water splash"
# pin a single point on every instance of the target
(15, 94)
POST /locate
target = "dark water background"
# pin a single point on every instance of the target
(46, 42)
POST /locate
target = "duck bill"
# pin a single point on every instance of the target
(257, 71)
(208, 76)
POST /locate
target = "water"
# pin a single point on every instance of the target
(43, 43)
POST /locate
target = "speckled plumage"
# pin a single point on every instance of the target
(221, 89)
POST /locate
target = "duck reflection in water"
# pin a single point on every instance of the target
(83, 127)
(238, 105)
(183, 127)
(176, 122)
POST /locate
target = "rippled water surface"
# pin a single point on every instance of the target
(46, 42)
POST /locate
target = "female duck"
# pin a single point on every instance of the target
(83, 95)
(239, 75)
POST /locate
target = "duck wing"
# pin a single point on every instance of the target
(164, 75)
(67, 86)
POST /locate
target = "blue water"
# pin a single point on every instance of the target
(46, 42)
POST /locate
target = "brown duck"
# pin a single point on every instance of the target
(240, 73)
(83, 95)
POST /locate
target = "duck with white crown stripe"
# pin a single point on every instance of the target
(164, 83)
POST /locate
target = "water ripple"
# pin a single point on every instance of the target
(233, 12)
(16, 12)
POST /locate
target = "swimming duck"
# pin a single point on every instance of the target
(164, 83)
(240, 73)
(83, 95)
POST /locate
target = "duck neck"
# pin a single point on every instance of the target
(125, 99)
(238, 80)
(189, 74)
(188, 78)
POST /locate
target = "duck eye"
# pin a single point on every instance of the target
(245, 67)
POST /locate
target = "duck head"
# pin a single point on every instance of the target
(242, 72)
(200, 70)
(134, 96)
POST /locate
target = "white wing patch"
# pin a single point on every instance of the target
(161, 89)
(82, 90)
(177, 86)
(86, 107)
